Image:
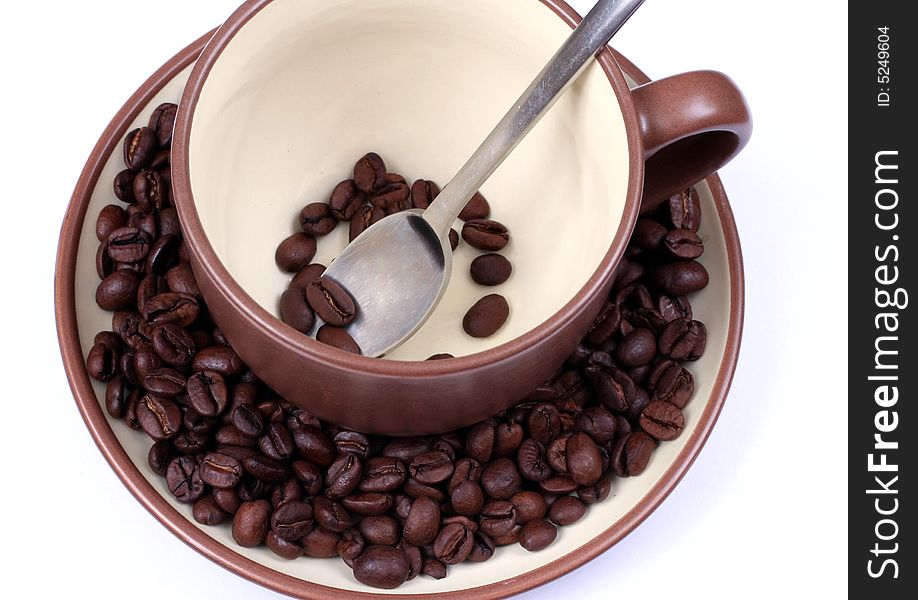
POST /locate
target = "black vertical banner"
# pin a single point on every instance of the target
(883, 259)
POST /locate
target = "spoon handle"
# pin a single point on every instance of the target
(591, 36)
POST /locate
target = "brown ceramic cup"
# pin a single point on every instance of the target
(287, 95)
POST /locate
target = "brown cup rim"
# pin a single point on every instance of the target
(200, 247)
(129, 473)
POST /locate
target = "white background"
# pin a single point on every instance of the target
(762, 513)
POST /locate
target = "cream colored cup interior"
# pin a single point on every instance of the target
(712, 306)
(306, 88)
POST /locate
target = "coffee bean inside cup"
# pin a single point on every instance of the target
(370, 195)
(274, 476)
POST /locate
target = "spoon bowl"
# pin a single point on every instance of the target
(397, 272)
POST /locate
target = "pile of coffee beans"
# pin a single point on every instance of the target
(390, 508)
(371, 195)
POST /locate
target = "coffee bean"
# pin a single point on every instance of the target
(162, 122)
(684, 210)
(383, 530)
(316, 220)
(167, 222)
(441, 356)
(637, 348)
(479, 443)
(321, 543)
(164, 382)
(560, 485)
(343, 476)
(368, 503)
(248, 420)
(681, 277)
(221, 359)
(150, 192)
(453, 544)
(583, 460)
(118, 290)
(351, 546)
(482, 548)
(674, 307)
(605, 325)
(309, 475)
(491, 269)
(283, 548)
(676, 386)
(434, 568)
(159, 417)
(467, 498)
(295, 252)
(250, 524)
(139, 148)
(528, 506)
(423, 193)
(501, 479)
(295, 311)
(369, 171)
(116, 393)
(364, 219)
(497, 518)
(381, 567)
(337, 337)
(181, 280)
(277, 443)
(598, 423)
(683, 244)
(544, 423)
(173, 344)
(486, 235)
(265, 469)
(631, 453)
(331, 302)
(346, 200)
(416, 489)
(507, 439)
(431, 468)
(183, 478)
(289, 491)
(538, 535)
(477, 208)
(556, 453)
(648, 234)
(160, 455)
(383, 474)
(531, 460)
(614, 389)
(684, 340)
(105, 266)
(124, 186)
(487, 316)
(306, 276)
(291, 521)
(221, 471)
(180, 309)
(392, 195)
(662, 420)
(102, 362)
(567, 510)
(110, 218)
(207, 393)
(598, 491)
(314, 445)
(453, 239)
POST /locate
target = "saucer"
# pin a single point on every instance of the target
(512, 569)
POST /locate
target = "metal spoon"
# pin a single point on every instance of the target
(398, 269)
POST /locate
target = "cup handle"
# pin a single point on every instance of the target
(693, 124)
